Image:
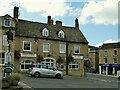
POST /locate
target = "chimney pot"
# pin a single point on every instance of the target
(52, 21)
(58, 23)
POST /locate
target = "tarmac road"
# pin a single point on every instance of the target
(72, 82)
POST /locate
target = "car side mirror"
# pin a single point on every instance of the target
(53, 69)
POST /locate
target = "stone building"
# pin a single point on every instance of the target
(46, 43)
(109, 58)
(6, 50)
(93, 55)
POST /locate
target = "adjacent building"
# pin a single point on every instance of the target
(109, 58)
(46, 43)
(93, 55)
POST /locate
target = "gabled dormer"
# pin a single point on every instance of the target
(61, 34)
(45, 32)
(8, 21)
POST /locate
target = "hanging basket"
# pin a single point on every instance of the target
(59, 60)
(70, 58)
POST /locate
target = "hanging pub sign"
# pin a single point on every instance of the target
(9, 36)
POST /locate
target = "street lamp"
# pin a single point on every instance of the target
(67, 58)
(10, 40)
(8, 66)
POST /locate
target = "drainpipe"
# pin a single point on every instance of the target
(67, 58)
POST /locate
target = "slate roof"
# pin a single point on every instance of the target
(110, 45)
(34, 30)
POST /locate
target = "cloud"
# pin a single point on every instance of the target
(100, 12)
(50, 7)
(4, 7)
(45, 8)
(107, 41)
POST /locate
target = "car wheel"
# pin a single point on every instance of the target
(37, 74)
(58, 76)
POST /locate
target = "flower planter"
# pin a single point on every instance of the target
(5, 85)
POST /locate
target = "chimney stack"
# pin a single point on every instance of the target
(52, 21)
(76, 23)
(58, 23)
(16, 12)
(49, 20)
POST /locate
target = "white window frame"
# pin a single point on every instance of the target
(114, 60)
(45, 32)
(77, 65)
(24, 63)
(49, 62)
(5, 23)
(105, 52)
(62, 48)
(105, 59)
(61, 34)
(115, 52)
(24, 44)
(2, 58)
(76, 46)
(5, 42)
(62, 64)
(47, 47)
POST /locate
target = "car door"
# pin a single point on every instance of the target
(52, 72)
(44, 71)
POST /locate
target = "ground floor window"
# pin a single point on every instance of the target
(49, 62)
(2, 58)
(62, 66)
(25, 64)
(74, 66)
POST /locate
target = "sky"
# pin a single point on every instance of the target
(98, 19)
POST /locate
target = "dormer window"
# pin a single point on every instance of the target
(61, 34)
(7, 23)
(45, 32)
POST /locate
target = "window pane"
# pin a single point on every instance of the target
(105, 60)
(2, 57)
(27, 66)
(73, 66)
(22, 66)
(115, 52)
(61, 34)
(46, 48)
(27, 46)
(62, 66)
(5, 42)
(115, 60)
(62, 48)
(77, 49)
(105, 51)
(27, 61)
(7, 22)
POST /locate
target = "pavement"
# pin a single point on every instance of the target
(20, 86)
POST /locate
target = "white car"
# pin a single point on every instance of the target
(118, 74)
(40, 70)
